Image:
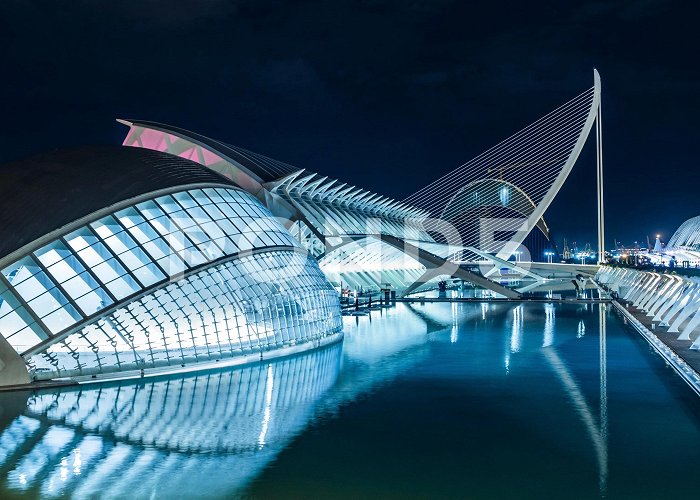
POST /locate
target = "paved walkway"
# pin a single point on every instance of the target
(680, 347)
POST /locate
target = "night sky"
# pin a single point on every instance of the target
(385, 94)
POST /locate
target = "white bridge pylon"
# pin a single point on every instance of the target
(525, 173)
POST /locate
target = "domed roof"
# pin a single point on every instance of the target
(46, 191)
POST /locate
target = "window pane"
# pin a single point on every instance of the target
(164, 225)
(172, 265)
(34, 286)
(214, 212)
(109, 270)
(150, 210)
(129, 217)
(61, 319)
(199, 215)
(144, 232)
(192, 256)
(120, 243)
(95, 254)
(12, 323)
(157, 248)
(135, 258)
(25, 338)
(213, 195)
(200, 197)
(81, 238)
(182, 219)
(213, 230)
(93, 301)
(21, 270)
(52, 253)
(107, 227)
(66, 269)
(149, 275)
(168, 204)
(48, 302)
(184, 199)
(123, 287)
(80, 285)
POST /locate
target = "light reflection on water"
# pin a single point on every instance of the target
(485, 371)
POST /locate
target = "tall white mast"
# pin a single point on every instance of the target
(599, 173)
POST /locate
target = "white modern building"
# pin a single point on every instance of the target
(177, 251)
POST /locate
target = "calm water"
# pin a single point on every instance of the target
(439, 400)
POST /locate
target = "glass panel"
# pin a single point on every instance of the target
(144, 232)
(168, 204)
(182, 219)
(197, 236)
(164, 225)
(21, 270)
(8, 302)
(213, 195)
(184, 199)
(177, 241)
(61, 319)
(123, 287)
(107, 227)
(149, 274)
(109, 270)
(214, 212)
(52, 253)
(120, 243)
(227, 245)
(150, 210)
(211, 251)
(81, 238)
(129, 217)
(192, 257)
(228, 211)
(199, 215)
(172, 265)
(157, 248)
(34, 286)
(93, 301)
(228, 227)
(213, 230)
(25, 338)
(135, 258)
(95, 254)
(48, 302)
(66, 269)
(200, 197)
(80, 285)
(12, 322)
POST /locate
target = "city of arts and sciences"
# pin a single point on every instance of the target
(182, 317)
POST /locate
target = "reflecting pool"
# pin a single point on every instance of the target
(456, 400)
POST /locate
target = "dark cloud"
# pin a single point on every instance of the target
(388, 94)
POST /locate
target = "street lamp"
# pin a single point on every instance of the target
(549, 255)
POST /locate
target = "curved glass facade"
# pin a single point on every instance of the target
(194, 275)
(260, 302)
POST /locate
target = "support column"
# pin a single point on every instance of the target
(599, 177)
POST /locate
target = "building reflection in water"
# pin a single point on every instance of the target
(180, 436)
(216, 431)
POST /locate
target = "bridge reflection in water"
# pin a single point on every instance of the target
(210, 434)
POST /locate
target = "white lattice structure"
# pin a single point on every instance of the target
(672, 301)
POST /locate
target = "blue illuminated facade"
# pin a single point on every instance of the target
(195, 273)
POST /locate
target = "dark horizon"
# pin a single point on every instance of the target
(386, 95)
